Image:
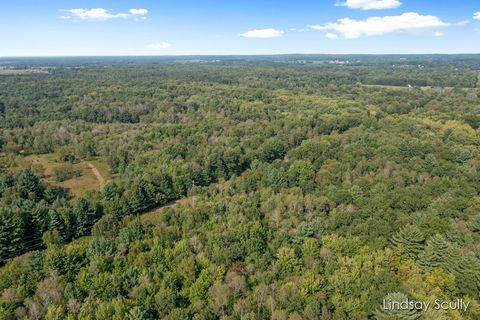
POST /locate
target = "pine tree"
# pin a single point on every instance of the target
(85, 214)
(6, 231)
(409, 240)
(6, 181)
(440, 253)
(466, 269)
(452, 234)
(28, 184)
(138, 196)
(436, 253)
(55, 223)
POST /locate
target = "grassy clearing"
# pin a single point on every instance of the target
(102, 166)
(44, 165)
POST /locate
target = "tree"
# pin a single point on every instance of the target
(11, 233)
(236, 283)
(28, 185)
(56, 224)
(199, 289)
(287, 261)
(301, 173)
(409, 241)
(85, 214)
(86, 148)
(271, 149)
(52, 238)
(436, 253)
(137, 313)
(139, 196)
(219, 297)
(309, 285)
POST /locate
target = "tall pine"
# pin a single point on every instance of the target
(409, 240)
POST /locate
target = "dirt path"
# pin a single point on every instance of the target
(97, 174)
(154, 213)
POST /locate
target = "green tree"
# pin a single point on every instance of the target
(199, 289)
(409, 241)
(287, 261)
(436, 253)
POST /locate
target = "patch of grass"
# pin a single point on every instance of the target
(46, 166)
(102, 165)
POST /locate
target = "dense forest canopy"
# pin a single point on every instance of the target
(275, 187)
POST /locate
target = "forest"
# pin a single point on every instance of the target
(242, 187)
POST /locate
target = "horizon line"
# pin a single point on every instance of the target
(239, 55)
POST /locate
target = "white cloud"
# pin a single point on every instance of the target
(161, 45)
(263, 33)
(438, 34)
(476, 15)
(374, 26)
(101, 14)
(300, 30)
(331, 36)
(370, 4)
(138, 11)
(461, 23)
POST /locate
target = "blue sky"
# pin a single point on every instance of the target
(187, 27)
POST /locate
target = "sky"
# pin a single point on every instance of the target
(215, 27)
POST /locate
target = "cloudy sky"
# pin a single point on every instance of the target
(171, 27)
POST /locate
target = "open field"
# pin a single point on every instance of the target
(92, 174)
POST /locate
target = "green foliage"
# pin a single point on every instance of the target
(294, 190)
(65, 172)
(436, 254)
(409, 241)
(287, 261)
(199, 289)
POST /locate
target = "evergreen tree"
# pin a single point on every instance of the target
(409, 240)
(55, 223)
(466, 269)
(28, 184)
(85, 215)
(7, 229)
(436, 253)
(138, 196)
